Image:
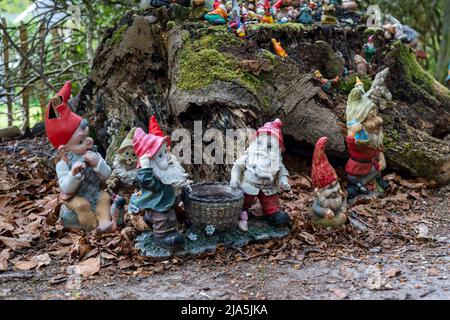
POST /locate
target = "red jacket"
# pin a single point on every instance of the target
(362, 158)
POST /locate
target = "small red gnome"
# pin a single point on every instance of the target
(329, 206)
(80, 169)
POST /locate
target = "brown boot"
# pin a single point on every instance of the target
(164, 231)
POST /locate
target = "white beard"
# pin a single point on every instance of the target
(326, 201)
(376, 139)
(125, 175)
(263, 164)
(173, 174)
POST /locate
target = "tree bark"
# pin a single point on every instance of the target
(444, 51)
(7, 76)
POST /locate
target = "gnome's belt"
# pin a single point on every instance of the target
(361, 160)
(258, 185)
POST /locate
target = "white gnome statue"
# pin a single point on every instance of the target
(379, 93)
(260, 173)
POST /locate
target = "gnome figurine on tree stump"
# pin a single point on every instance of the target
(80, 169)
(329, 206)
(260, 173)
(161, 181)
(365, 144)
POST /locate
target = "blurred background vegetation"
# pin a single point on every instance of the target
(62, 36)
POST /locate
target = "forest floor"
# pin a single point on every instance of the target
(401, 250)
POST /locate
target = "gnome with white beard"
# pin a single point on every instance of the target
(161, 179)
(328, 209)
(260, 173)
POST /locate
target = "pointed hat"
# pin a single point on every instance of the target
(272, 128)
(146, 144)
(154, 128)
(128, 141)
(60, 121)
(322, 173)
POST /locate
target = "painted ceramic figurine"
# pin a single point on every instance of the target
(365, 144)
(161, 184)
(218, 15)
(278, 48)
(326, 84)
(80, 169)
(267, 18)
(260, 173)
(305, 16)
(329, 206)
(329, 11)
(369, 49)
(379, 93)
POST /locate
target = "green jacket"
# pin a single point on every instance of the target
(154, 194)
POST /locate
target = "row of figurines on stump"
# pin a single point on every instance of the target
(145, 160)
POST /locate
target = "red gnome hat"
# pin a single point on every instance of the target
(216, 4)
(322, 173)
(278, 4)
(60, 121)
(155, 129)
(266, 4)
(272, 128)
(146, 144)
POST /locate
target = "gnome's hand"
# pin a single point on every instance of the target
(234, 183)
(78, 168)
(91, 158)
(145, 161)
(284, 184)
(329, 214)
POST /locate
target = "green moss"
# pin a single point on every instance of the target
(170, 24)
(202, 62)
(117, 35)
(289, 27)
(266, 54)
(346, 85)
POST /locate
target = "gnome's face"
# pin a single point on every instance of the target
(265, 156)
(331, 197)
(80, 142)
(373, 126)
(128, 157)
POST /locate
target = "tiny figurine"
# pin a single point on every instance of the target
(365, 145)
(326, 84)
(80, 169)
(260, 173)
(329, 11)
(293, 13)
(362, 67)
(260, 7)
(276, 7)
(374, 17)
(305, 16)
(267, 18)
(379, 93)
(329, 206)
(218, 15)
(278, 49)
(161, 181)
(448, 76)
(394, 31)
(369, 49)
(349, 5)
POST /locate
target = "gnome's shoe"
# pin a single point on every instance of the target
(356, 189)
(382, 183)
(277, 219)
(148, 219)
(164, 230)
(118, 210)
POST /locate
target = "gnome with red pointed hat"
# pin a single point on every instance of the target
(80, 169)
(260, 173)
(328, 209)
(161, 179)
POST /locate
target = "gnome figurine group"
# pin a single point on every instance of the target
(260, 173)
(80, 169)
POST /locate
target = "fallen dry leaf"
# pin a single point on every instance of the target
(37, 261)
(88, 267)
(392, 272)
(15, 244)
(308, 237)
(4, 256)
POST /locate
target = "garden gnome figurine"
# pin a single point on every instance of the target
(260, 173)
(379, 93)
(328, 209)
(79, 168)
(369, 49)
(305, 16)
(160, 183)
(364, 143)
(362, 67)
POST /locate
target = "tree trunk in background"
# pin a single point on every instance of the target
(9, 109)
(89, 35)
(444, 52)
(26, 92)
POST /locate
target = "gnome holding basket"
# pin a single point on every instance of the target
(260, 173)
(329, 206)
(162, 180)
(81, 170)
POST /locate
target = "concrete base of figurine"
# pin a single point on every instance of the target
(335, 223)
(198, 243)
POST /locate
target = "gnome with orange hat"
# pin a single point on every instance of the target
(161, 179)
(80, 169)
(328, 209)
(260, 173)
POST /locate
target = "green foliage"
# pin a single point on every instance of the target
(14, 6)
(347, 84)
(117, 35)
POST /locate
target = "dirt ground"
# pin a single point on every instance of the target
(401, 253)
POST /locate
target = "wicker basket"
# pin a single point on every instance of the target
(213, 203)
